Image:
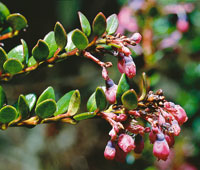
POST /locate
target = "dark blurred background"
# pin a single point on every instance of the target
(169, 56)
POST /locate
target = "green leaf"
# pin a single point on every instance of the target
(4, 12)
(60, 35)
(48, 93)
(70, 45)
(130, 99)
(112, 24)
(123, 86)
(91, 104)
(25, 51)
(85, 25)
(23, 107)
(7, 114)
(17, 53)
(50, 40)
(99, 24)
(13, 66)
(83, 116)
(100, 98)
(3, 99)
(79, 39)
(31, 100)
(3, 57)
(40, 51)
(46, 108)
(17, 21)
(74, 103)
(31, 61)
(63, 103)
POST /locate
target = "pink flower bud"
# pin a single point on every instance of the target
(111, 90)
(105, 74)
(170, 140)
(136, 37)
(126, 143)
(129, 67)
(120, 64)
(175, 127)
(110, 151)
(121, 118)
(161, 149)
(139, 144)
(152, 137)
(182, 25)
(113, 134)
(120, 154)
(180, 115)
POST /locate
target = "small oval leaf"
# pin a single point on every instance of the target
(13, 66)
(83, 116)
(23, 107)
(48, 93)
(4, 12)
(91, 104)
(130, 99)
(63, 103)
(74, 103)
(31, 61)
(112, 24)
(25, 51)
(79, 39)
(46, 108)
(50, 40)
(123, 86)
(31, 100)
(40, 51)
(17, 21)
(70, 45)
(3, 57)
(99, 24)
(60, 35)
(100, 98)
(85, 25)
(7, 114)
(3, 99)
(17, 52)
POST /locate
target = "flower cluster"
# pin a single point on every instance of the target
(127, 134)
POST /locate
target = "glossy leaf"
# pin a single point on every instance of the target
(17, 53)
(123, 86)
(31, 100)
(83, 116)
(99, 24)
(13, 66)
(74, 103)
(60, 35)
(112, 24)
(70, 45)
(17, 21)
(3, 57)
(100, 98)
(129, 99)
(91, 104)
(23, 107)
(79, 39)
(46, 108)
(48, 93)
(31, 61)
(3, 99)
(25, 51)
(50, 40)
(7, 114)
(85, 25)
(4, 12)
(63, 103)
(40, 51)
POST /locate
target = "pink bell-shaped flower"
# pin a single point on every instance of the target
(126, 143)
(111, 90)
(110, 151)
(180, 115)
